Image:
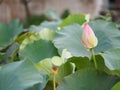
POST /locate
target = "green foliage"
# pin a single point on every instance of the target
(20, 76)
(112, 59)
(64, 70)
(35, 20)
(81, 62)
(44, 25)
(50, 15)
(8, 32)
(116, 86)
(87, 79)
(29, 59)
(72, 19)
(65, 14)
(11, 53)
(38, 50)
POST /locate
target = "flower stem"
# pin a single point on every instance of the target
(94, 59)
(54, 83)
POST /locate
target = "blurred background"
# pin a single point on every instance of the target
(36, 11)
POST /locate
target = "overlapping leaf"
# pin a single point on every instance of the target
(20, 76)
(8, 32)
(81, 62)
(38, 50)
(112, 59)
(88, 79)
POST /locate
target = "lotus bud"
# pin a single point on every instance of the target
(89, 40)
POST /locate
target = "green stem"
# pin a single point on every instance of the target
(54, 84)
(94, 59)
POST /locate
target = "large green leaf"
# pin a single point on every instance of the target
(38, 50)
(72, 19)
(69, 38)
(88, 79)
(81, 62)
(112, 59)
(8, 32)
(20, 76)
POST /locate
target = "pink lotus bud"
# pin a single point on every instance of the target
(89, 40)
